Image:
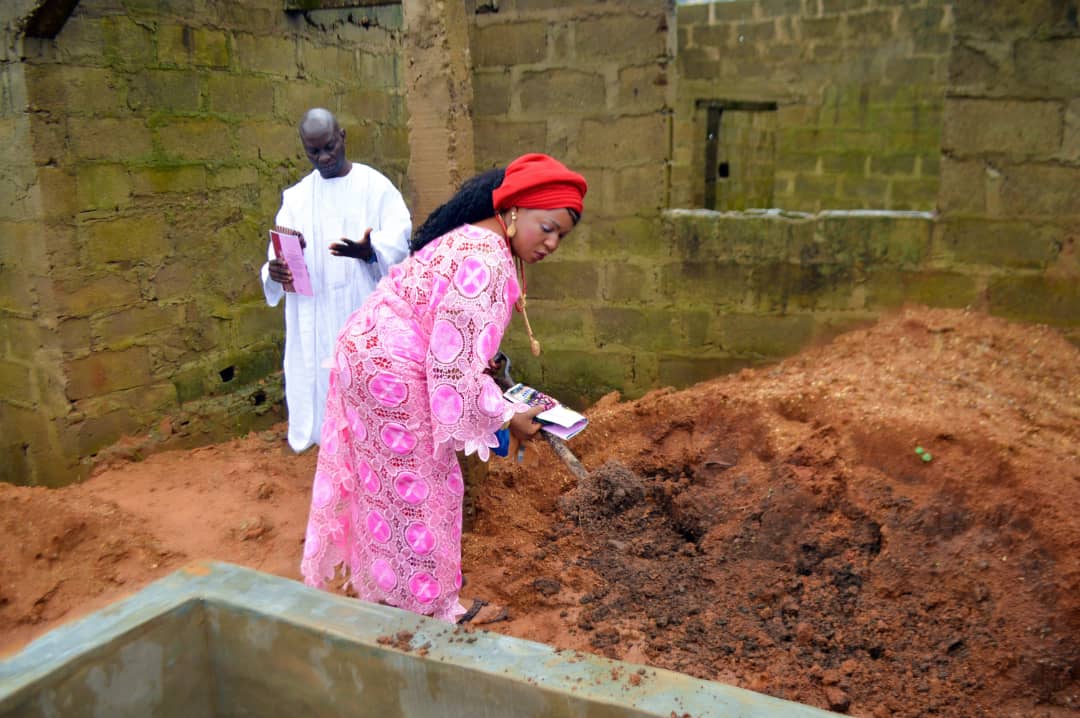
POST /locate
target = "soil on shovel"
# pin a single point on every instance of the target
(885, 525)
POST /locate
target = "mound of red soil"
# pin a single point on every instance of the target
(775, 529)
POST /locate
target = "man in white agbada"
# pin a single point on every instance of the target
(354, 225)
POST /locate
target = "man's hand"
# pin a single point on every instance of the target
(279, 271)
(357, 250)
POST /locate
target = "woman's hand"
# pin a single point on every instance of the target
(523, 426)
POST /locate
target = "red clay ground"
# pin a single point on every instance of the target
(773, 529)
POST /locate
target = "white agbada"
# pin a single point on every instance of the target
(324, 211)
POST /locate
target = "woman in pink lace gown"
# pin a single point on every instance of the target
(409, 388)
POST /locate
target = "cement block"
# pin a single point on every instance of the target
(380, 70)
(998, 243)
(102, 186)
(784, 286)
(913, 193)
(891, 289)
(164, 91)
(95, 433)
(127, 45)
(237, 95)
(107, 371)
(17, 292)
(695, 63)
(1017, 130)
(164, 180)
(1070, 144)
(897, 240)
(572, 91)
(623, 282)
(1041, 190)
(293, 99)
(16, 382)
(692, 15)
(196, 139)
(498, 142)
(563, 280)
(57, 193)
(122, 140)
(232, 177)
(49, 142)
(120, 328)
(580, 377)
(518, 43)
(719, 284)
(272, 142)
(642, 89)
(643, 138)
(754, 335)
(779, 8)
(362, 107)
(147, 404)
(963, 188)
(125, 239)
(1049, 68)
(616, 239)
(724, 12)
(74, 335)
(21, 338)
(326, 63)
(554, 321)
(187, 46)
(265, 55)
(74, 90)
(683, 371)
(255, 324)
(626, 38)
(85, 295)
(1049, 300)
(491, 92)
(82, 40)
(639, 191)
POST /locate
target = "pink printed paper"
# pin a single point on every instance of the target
(288, 249)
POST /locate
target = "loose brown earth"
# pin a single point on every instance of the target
(773, 529)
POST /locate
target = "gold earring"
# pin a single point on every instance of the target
(511, 231)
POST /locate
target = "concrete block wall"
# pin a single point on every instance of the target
(589, 83)
(858, 87)
(1010, 196)
(149, 144)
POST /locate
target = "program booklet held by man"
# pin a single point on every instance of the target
(288, 249)
(556, 419)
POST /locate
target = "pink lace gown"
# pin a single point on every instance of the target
(407, 390)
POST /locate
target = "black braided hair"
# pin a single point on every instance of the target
(472, 203)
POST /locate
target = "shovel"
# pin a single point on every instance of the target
(502, 378)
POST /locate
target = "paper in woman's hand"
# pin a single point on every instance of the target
(288, 249)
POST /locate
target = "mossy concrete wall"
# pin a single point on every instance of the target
(1010, 185)
(147, 145)
(858, 88)
(591, 84)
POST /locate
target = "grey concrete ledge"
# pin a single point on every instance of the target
(215, 639)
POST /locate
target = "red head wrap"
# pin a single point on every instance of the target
(537, 181)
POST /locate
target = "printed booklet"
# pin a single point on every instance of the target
(287, 248)
(557, 419)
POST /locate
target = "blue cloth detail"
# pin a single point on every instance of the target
(503, 435)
